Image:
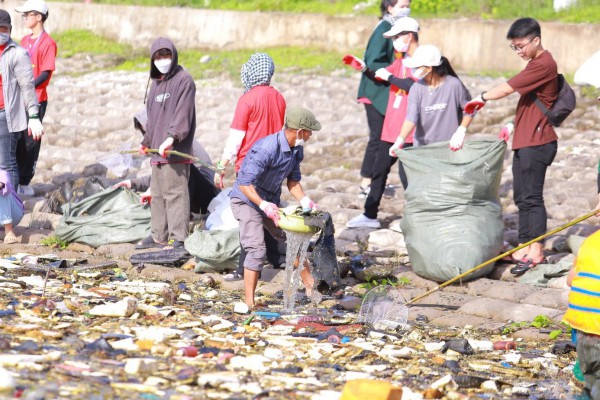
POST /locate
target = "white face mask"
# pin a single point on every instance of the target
(299, 141)
(4, 38)
(400, 10)
(416, 72)
(163, 65)
(400, 46)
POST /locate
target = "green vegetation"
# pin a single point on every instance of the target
(584, 11)
(54, 242)
(391, 281)
(287, 59)
(540, 321)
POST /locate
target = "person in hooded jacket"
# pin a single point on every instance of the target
(171, 110)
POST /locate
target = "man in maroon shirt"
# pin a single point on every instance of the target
(535, 142)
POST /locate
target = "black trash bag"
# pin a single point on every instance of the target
(326, 270)
(563, 347)
(170, 257)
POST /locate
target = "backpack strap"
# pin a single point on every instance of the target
(540, 105)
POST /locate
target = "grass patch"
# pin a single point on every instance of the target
(584, 11)
(54, 242)
(76, 42)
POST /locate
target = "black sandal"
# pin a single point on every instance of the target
(525, 265)
(148, 243)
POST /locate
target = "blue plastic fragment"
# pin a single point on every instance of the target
(506, 365)
(267, 314)
(345, 339)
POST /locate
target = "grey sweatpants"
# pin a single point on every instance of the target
(588, 352)
(170, 207)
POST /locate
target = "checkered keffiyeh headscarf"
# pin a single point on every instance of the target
(258, 70)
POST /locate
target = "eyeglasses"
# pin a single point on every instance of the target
(29, 13)
(520, 48)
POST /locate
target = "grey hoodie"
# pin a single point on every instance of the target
(170, 106)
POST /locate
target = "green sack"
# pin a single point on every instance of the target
(110, 216)
(452, 218)
(215, 250)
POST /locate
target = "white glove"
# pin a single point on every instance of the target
(166, 145)
(383, 74)
(126, 184)
(396, 147)
(457, 140)
(146, 197)
(307, 204)
(35, 128)
(475, 105)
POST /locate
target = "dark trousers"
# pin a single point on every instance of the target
(28, 151)
(202, 191)
(529, 173)
(381, 169)
(375, 121)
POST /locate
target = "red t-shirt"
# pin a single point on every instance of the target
(540, 78)
(42, 51)
(397, 104)
(260, 112)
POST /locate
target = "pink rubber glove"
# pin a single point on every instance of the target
(474, 105)
(143, 150)
(307, 204)
(271, 211)
(166, 145)
(506, 131)
(354, 62)
(219, 175)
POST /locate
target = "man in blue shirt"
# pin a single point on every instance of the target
(256, 194)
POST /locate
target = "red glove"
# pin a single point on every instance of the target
(474, 105)
(145, 198)
(354, 62)
(166, 145)
(271, 211)
(506, 131)
(143, 150)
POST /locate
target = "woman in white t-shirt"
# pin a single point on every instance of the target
(435, 102)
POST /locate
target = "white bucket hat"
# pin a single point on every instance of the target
(406, 24)
(425, 56)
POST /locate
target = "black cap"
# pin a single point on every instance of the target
(5, 19)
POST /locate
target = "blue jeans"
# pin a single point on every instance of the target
(10, 212)
(8, 151)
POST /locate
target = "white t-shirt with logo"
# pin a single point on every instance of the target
(436, 112)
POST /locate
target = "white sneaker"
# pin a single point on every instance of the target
(362, 221)
(25, 190)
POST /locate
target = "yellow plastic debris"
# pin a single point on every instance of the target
(361, 389)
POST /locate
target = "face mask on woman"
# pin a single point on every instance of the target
(4, 38)
(418, 74)
(399, 44)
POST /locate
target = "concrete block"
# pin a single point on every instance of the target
(511, 291)
(551, 298)
(461, 320)
(501, 310)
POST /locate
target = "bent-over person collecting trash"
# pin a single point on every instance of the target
(256, 194)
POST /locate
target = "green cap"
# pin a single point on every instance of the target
(301, 118)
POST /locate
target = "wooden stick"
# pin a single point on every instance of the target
(176, 153)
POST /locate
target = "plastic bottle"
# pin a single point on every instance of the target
(310, 318)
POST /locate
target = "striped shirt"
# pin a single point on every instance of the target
(267, 164)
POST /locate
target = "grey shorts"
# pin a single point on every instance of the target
(252, 237)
